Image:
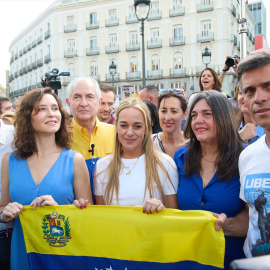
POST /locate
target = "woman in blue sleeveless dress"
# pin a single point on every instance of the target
(42, 170)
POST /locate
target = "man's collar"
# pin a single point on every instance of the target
(79, 128)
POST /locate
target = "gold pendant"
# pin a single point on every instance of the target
(128, 173)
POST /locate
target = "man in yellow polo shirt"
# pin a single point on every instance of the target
(92, 138)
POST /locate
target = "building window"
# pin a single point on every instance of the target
(155, 63)
(93, 68)
(177, 32)
(154, 7)
(206, 28)
(133, 64)
(154, 34)
(71, 69)
(112, 14)
(93, 42)
(113, 41)
(70, 20)
(71, 46)
(93, 18)
(177, 61)
(133, 37)
(177, 4)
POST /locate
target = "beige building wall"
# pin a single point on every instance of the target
(59, 38)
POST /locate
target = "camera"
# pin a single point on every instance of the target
(128, 88)
(52, 79)
(230, 62)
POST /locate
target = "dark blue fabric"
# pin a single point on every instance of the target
(218, 197)
(91, 164)
(46, 261)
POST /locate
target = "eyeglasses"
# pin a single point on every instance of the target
(177, 91)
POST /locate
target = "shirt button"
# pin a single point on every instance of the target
(94, 162)
(36, 189)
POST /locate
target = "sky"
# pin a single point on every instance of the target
(15, 15)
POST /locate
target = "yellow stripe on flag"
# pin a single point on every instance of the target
(124, 233)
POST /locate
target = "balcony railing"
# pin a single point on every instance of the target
(25, 70)
(112, 21)
(16, 74)
(24, 50)
(96, 77)
(155, 14)
(34, 65)
(47, 34)
(40, 62)
(92, 51)
(253, 41)
(177, 11)
(20, 53)
(133, 75)
(177, 41)
(29, 47)
(70, 28)
(70, 53)
(205, 7)
(234, 39)
(21, 72)
(112, 48)
(116, 77)
(238, 46)
(177, 72)
(11, 60)
(154, 43)
(154, 74)
(39, 40)
(131, 18)
(29, 67)
(205, 37)
(16, 56)
(134, 46)
(92, 25)
(34, 43)
(47, 58)
(233, 10)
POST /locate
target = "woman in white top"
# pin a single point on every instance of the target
(136, 173)
(172, 110)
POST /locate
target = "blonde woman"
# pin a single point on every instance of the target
(136, 173)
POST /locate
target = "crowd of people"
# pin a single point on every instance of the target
(140, 154)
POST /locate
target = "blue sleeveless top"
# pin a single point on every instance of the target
(58, 183)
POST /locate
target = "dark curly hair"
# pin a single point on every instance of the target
(24, 137)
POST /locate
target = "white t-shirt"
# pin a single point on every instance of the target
(254, 167)
(132, 186)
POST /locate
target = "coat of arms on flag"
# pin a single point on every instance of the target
(56, 229)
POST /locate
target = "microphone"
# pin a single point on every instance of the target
(92, 149)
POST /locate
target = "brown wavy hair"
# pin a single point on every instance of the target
(217, 84)
(24, 137)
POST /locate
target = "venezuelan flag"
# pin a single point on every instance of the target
(120, 238)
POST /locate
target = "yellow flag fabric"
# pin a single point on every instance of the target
(115, 237)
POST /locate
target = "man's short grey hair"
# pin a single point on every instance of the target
(89, 80)
(254, 60)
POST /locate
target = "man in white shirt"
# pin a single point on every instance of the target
(254, 161)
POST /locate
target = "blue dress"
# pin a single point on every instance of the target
(58, 183)
(218, 197)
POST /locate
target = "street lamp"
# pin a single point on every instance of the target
(206, 56)
(142, 8)
(112, 69)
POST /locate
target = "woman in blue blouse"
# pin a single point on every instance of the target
(208, 168)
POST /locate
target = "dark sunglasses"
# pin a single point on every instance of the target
(177, 91)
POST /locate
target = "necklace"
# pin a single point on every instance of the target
(130, 165)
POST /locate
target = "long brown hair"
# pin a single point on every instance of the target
(24, 137)
(217, 84)
(229, 142)
(152, 161)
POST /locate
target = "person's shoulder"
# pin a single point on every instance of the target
(254, 148)
(105, 160)
(181, 151)
(165, 159)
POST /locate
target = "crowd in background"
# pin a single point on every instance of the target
(161, 150)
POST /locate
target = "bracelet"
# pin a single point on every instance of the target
(226, 69)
